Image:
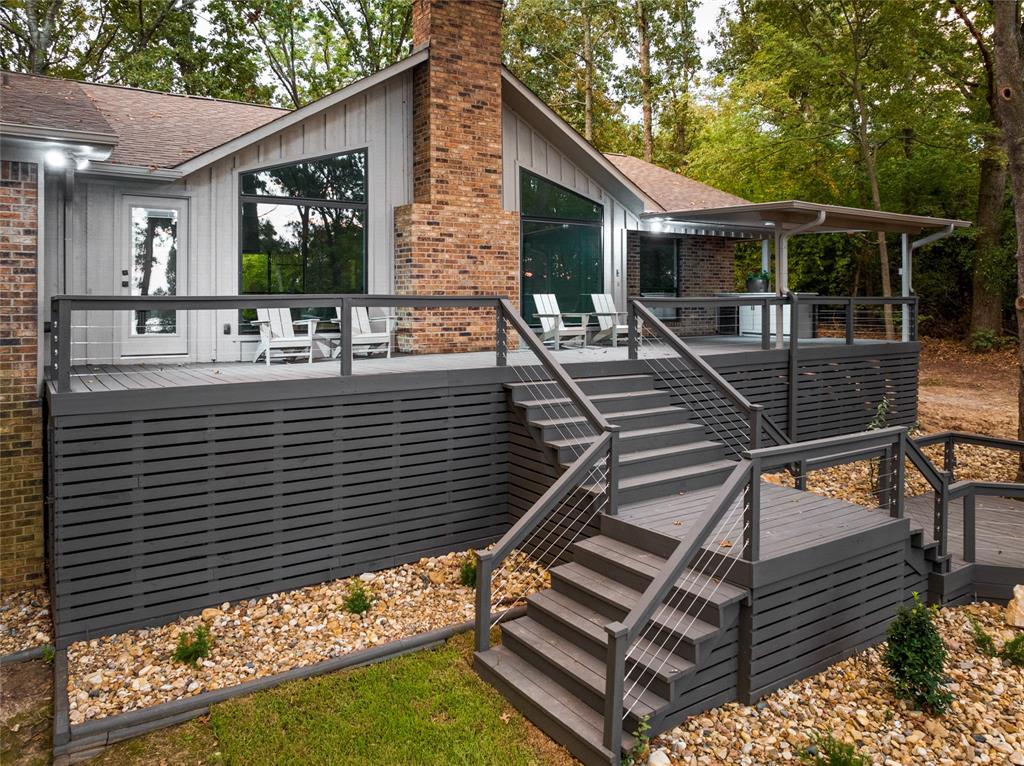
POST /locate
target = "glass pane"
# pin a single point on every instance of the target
(341, 178)
(657, 266)
(564, 259)
(540, 198)
(154, 265)
(301, 249)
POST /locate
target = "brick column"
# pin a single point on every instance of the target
(456, 238)
(21, 438)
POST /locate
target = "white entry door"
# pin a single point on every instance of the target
(155, 263)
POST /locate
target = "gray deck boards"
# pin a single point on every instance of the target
(999, 539)
(98, 378)
(791, 520)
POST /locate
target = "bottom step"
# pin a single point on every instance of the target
(562, 716)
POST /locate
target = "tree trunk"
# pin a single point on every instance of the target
(588, 82)
(1008, 50)
(645, 78)
(870, 166)
(986, 297)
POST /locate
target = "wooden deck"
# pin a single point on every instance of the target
(127, 375)
(999, 536)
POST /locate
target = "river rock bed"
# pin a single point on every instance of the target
(24, 620)
(263, 636)
(853, 701)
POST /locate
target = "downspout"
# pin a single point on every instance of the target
(907, 273)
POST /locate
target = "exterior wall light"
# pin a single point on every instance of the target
(56, 158)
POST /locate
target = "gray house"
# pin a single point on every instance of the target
(472, 329)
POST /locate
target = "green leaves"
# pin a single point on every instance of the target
(915, 657)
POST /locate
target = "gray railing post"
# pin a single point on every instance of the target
(941, 526)
(901, 476)
(634, 334)
(849, 322)
(752, 513)
(346, 336)
(500, 339)
(756, 414)
(63, 332)
(949, 457)
(613, 471)
(484, 567)
(969, 520)
(766, 324)
(801, 475)
(615, 676)
(794, 366)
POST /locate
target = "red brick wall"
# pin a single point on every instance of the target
(21, 439)
(455, 238)
(706, 267)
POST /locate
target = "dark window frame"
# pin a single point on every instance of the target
(525, 310)
(244, 199)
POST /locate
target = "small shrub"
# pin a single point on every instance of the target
(193, 648)
(983, 341)
(982, 640)
(915, 658)
(467, 572)
(1013, 651)
(358, 600)
(881, 413)
(48, 654)
(640, 751)
(829, 751)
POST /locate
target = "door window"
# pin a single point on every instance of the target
(154, 233)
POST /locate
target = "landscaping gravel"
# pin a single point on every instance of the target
(853, 701)
(263, 636)
(24, 620)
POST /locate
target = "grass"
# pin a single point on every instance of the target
(426, 708)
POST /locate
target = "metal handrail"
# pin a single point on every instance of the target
(488, 560)
(622, 633)
(708, 373)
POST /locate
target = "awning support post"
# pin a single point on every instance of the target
(905, 283)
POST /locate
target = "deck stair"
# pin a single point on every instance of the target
(551, 662)
(662, 450)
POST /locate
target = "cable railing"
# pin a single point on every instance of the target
(947, 488)
(696, 385)
(698, 567)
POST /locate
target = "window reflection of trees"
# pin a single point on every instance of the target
(154, 266)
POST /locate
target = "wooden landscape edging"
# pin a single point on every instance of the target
(72, 744)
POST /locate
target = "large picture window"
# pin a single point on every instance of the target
(561, 245)
(304, 228)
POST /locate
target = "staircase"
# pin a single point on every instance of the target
(551, 662)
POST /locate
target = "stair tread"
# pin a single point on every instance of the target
(596, 379)
(677, 473)
(561, 400)
(557, 701)
(624, 597)
(649, 564)
(584, 666)
(626, 436)
(679, 449)
(590, 623)
(609, 416)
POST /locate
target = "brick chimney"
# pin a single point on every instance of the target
(456, 238)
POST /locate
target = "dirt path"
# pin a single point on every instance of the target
(963, 391)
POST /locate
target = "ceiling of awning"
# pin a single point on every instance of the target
(790, 214)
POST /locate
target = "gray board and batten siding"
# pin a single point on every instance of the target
(165, 503)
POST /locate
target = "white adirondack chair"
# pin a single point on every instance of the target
(608, 319)
(370, 335)
(278, 336)
(553, 327)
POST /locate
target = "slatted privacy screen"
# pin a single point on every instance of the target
(166, 511)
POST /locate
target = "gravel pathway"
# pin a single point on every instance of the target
(852, 700)
(264, 636)
(24, 620)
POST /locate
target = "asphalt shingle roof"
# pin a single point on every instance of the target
(153, 129)
(672, 191)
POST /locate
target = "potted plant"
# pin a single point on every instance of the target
(757, 281)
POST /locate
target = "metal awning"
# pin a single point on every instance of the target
(797, 214)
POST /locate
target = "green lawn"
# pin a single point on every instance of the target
(425, 708)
